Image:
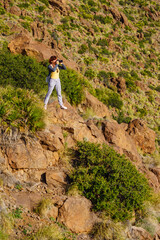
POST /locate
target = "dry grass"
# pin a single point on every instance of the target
(48, 233)
(43, 207)
(108, 229)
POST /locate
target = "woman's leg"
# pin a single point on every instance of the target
(51, 86)
(58, 90)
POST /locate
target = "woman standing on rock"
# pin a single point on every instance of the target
(54, 80)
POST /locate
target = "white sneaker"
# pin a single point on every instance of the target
(45, 107)
(63, 107)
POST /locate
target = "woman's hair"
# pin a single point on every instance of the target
(52, 58)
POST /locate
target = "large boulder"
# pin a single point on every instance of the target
(156, 171)
(26, 153)
(15, 10)
(26, 199)
(152, 178)
(76, 215)
(52, 138)
(116, 135)
(120, 83)
(24, 44)
(56, 178)
(119, 16)
(60, 5)
(143, 136)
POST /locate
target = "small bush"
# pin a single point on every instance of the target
(26, 25)
(88, 60)
(102, 42)
(90, 73)
(40, 9)
(122, 118)
(101, 94)
(23, 5)
(131, 86)
(130, 78)
(157, 88)
(109, 180)
(20, 108)
(2, 11)
(146, 73)
(22, 71)
(103, 19)
(105, 76)
(72, 85)
(4, 28)
(83, 49)
(142, 112)
(114, 100)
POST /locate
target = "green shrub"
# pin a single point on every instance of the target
(88, 60)
(109, 98)
(25, 72)
(101, 94)
(121, 118)
(157, 88)
(23, 5)
(131, 86)
(105, 51)
(22, 71)
(109, 180)
(142, 112)
(2, 11)
(26, 25)
(105, 76)
(102, 42)
(130, 78)
(40, 9)
(90, 73)
(4, 28)
(83, 48)
(103, 19)
(146, 73)
(135, 75)
(72, 85)
(20, 108)
(114, 100)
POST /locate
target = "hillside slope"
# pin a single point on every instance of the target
(112, 53)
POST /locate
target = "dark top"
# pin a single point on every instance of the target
(60, 66)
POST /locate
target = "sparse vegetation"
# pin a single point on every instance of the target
(103, 45)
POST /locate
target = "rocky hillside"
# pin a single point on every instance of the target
(114, 47)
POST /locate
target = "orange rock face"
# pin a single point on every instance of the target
(143, 136)
(76, 215)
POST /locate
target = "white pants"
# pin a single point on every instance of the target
(54, 83)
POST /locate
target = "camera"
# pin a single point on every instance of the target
(60, 61)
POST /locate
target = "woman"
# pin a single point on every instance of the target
(54, 81)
